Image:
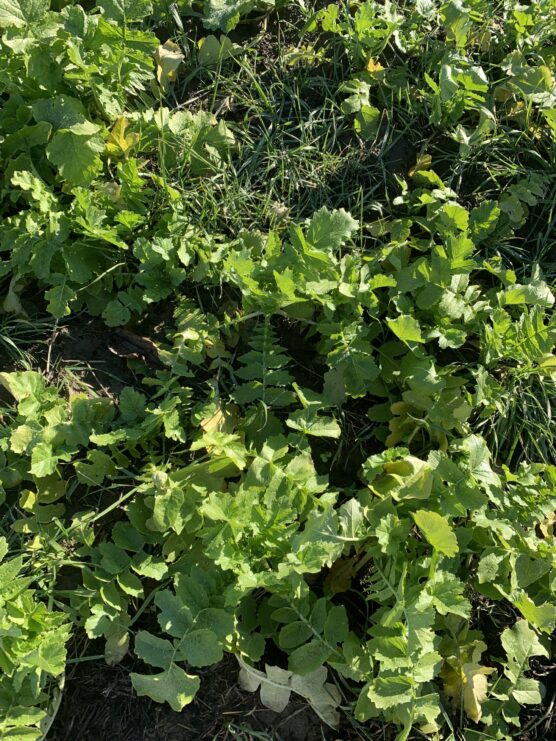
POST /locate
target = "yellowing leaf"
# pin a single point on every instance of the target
(212, 51)
(373, 66)
(224, 419)
(424, 162)
(118, 144)
(438, 531)
(467, 685)
(168, 58)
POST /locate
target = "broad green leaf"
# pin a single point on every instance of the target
(43, 460)
(125, 11)
(438, 531)
(309, 657)
(336, 627)
(173, 686)
(407, 478)
(201, 647)
(478, 460)
(520, 643)
(21, 13)
(76, 157)
(310, 423)
(62, 112)
(114, 559)
(483, 220)
(406, 328)
(153, 650)
(59, 298)
(95, 468)
(367, 122)
(294, 634)
(213, 51)
(542, 616)
(225, 14)
(534, 293)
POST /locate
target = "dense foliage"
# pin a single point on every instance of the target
(335, 460)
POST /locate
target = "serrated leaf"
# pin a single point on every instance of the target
(329, 230)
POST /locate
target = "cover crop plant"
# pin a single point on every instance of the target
(331, 453)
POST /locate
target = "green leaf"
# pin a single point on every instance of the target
(294, 634)
(483, 220)
(125, 11)
(309, 657)
(310, 423)
(520, 644)
(329, 230)
(478, 461)
(437, 530)
(58, 299)
(336, 627)
(95, 468)
(62, 112)
(153, 650)
(201, 647)
(173, 686)
(406, 328)
(43, 460)
(213, 51)
(21, 13)
(542, 616)
(114, 559)
(225, 14)
(76, 157)
(367, 121)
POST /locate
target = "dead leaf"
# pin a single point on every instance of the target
(168, 58)
(276, 685)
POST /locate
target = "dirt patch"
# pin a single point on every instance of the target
(80, 351)
(99, 703)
